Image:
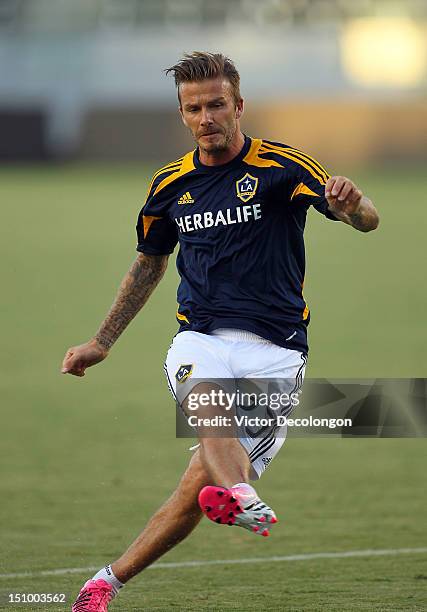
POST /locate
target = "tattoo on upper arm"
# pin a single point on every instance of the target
(136, 288)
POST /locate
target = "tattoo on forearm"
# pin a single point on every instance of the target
(136, 288)
(365, 218)
(364, 221)
(358, 221)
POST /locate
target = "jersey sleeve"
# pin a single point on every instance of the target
(156, 231)
(308, 185)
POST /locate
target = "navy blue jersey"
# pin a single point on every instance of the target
(240, 231)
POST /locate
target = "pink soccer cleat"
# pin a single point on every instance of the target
(93, 597)
(238, 506)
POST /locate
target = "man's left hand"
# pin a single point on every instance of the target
(342, 195)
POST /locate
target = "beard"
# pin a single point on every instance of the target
(220, 143)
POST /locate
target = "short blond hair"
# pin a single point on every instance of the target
(201, 65)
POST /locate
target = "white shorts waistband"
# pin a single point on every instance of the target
(239, 334)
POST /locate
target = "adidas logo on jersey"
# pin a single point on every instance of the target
(266, 460)
(186, 198)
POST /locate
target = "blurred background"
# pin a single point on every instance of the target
(82, 79)
(86, 116)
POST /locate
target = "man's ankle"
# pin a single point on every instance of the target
(108, 574)
(120, 572)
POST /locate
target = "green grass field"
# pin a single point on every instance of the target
(86, 461)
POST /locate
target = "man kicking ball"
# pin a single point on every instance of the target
(237, 207)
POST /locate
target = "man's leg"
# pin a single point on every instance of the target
(225, 460)
(229, 498)
(173, 522)
(223, 456)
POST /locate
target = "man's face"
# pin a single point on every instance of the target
(209, 110)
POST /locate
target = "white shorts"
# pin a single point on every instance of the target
(235, 354)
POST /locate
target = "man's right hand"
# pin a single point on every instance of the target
(78, 358)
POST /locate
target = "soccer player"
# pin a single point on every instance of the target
(237, 207)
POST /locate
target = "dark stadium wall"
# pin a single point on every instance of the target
(356, 133)
(23, 135)
(344, 132)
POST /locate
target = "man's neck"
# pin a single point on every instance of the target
(219, 158)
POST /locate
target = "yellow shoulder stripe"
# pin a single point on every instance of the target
(312, 160)
(169, 168)
(186, 166)
(293, 157)
(310, 164)
(307, 157)
(258, 147)
(252, 158)
(301, 188)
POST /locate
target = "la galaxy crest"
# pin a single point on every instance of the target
(184, 372)
(246, 187)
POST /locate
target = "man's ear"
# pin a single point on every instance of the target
(239, 108)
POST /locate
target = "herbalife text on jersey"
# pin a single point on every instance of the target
(241, 214)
